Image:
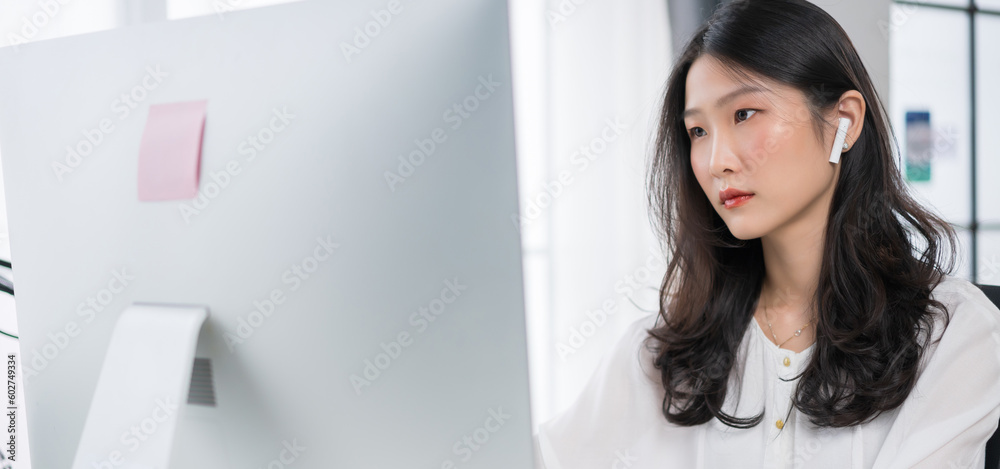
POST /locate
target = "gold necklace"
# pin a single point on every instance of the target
(797, 333)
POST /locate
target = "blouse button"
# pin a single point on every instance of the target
(786, 361)
(779, 424)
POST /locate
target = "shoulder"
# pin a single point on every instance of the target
(972, 331)
(638, 347)
(619, 403)
(969, 309)
(955, 402)
(629, 362)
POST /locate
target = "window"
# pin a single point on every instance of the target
(185, 8)
(943, 54)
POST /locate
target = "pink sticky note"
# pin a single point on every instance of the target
(170, 152)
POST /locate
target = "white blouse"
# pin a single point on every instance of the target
(617, 422)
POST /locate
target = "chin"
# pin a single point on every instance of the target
(744, 233)
(745, 237)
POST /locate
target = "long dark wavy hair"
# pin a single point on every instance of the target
(883, 252)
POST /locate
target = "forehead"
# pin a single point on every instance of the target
(708, 80)
(707, 72)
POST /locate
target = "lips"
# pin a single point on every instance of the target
(731, 194)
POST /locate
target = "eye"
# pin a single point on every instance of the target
(744, 112)
(694, 132)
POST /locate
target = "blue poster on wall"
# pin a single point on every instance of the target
(919, 146)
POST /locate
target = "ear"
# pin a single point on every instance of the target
(851, 106)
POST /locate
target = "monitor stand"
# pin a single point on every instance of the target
(142, 388)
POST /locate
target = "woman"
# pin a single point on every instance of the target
(812, 322)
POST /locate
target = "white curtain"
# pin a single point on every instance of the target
(589, 76)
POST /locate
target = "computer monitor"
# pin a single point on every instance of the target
(350, 241)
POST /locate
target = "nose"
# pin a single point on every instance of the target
(724, 159)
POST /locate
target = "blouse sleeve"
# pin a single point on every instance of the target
(617, 403)
(955, 406)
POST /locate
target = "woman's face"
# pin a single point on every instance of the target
(761, 141)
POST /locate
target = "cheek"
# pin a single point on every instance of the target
(699, 165)
(766, 147)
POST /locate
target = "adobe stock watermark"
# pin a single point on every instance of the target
(136, 435)
(582, 158)
(455, 115)
(925, 143)
(968, 460)
(899, 14)
(472, 442)
(596, 319)
(623, 460)
(121, 107)
(364, 35)
(294, 277)
(562, 11)
(806, 451)
(222, 7)
(373, 368)
(88, 309)
(989, 270)
(10, 452)
(287, 456)
(249, 148)
(32, 25)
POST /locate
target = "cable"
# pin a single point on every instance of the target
(7, 286)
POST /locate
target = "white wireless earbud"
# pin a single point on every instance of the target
(838, 143)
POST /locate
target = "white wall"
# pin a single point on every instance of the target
(865, 22)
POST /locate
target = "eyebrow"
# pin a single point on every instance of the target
(745, 89)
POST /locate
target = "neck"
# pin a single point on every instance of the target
(793, 255)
